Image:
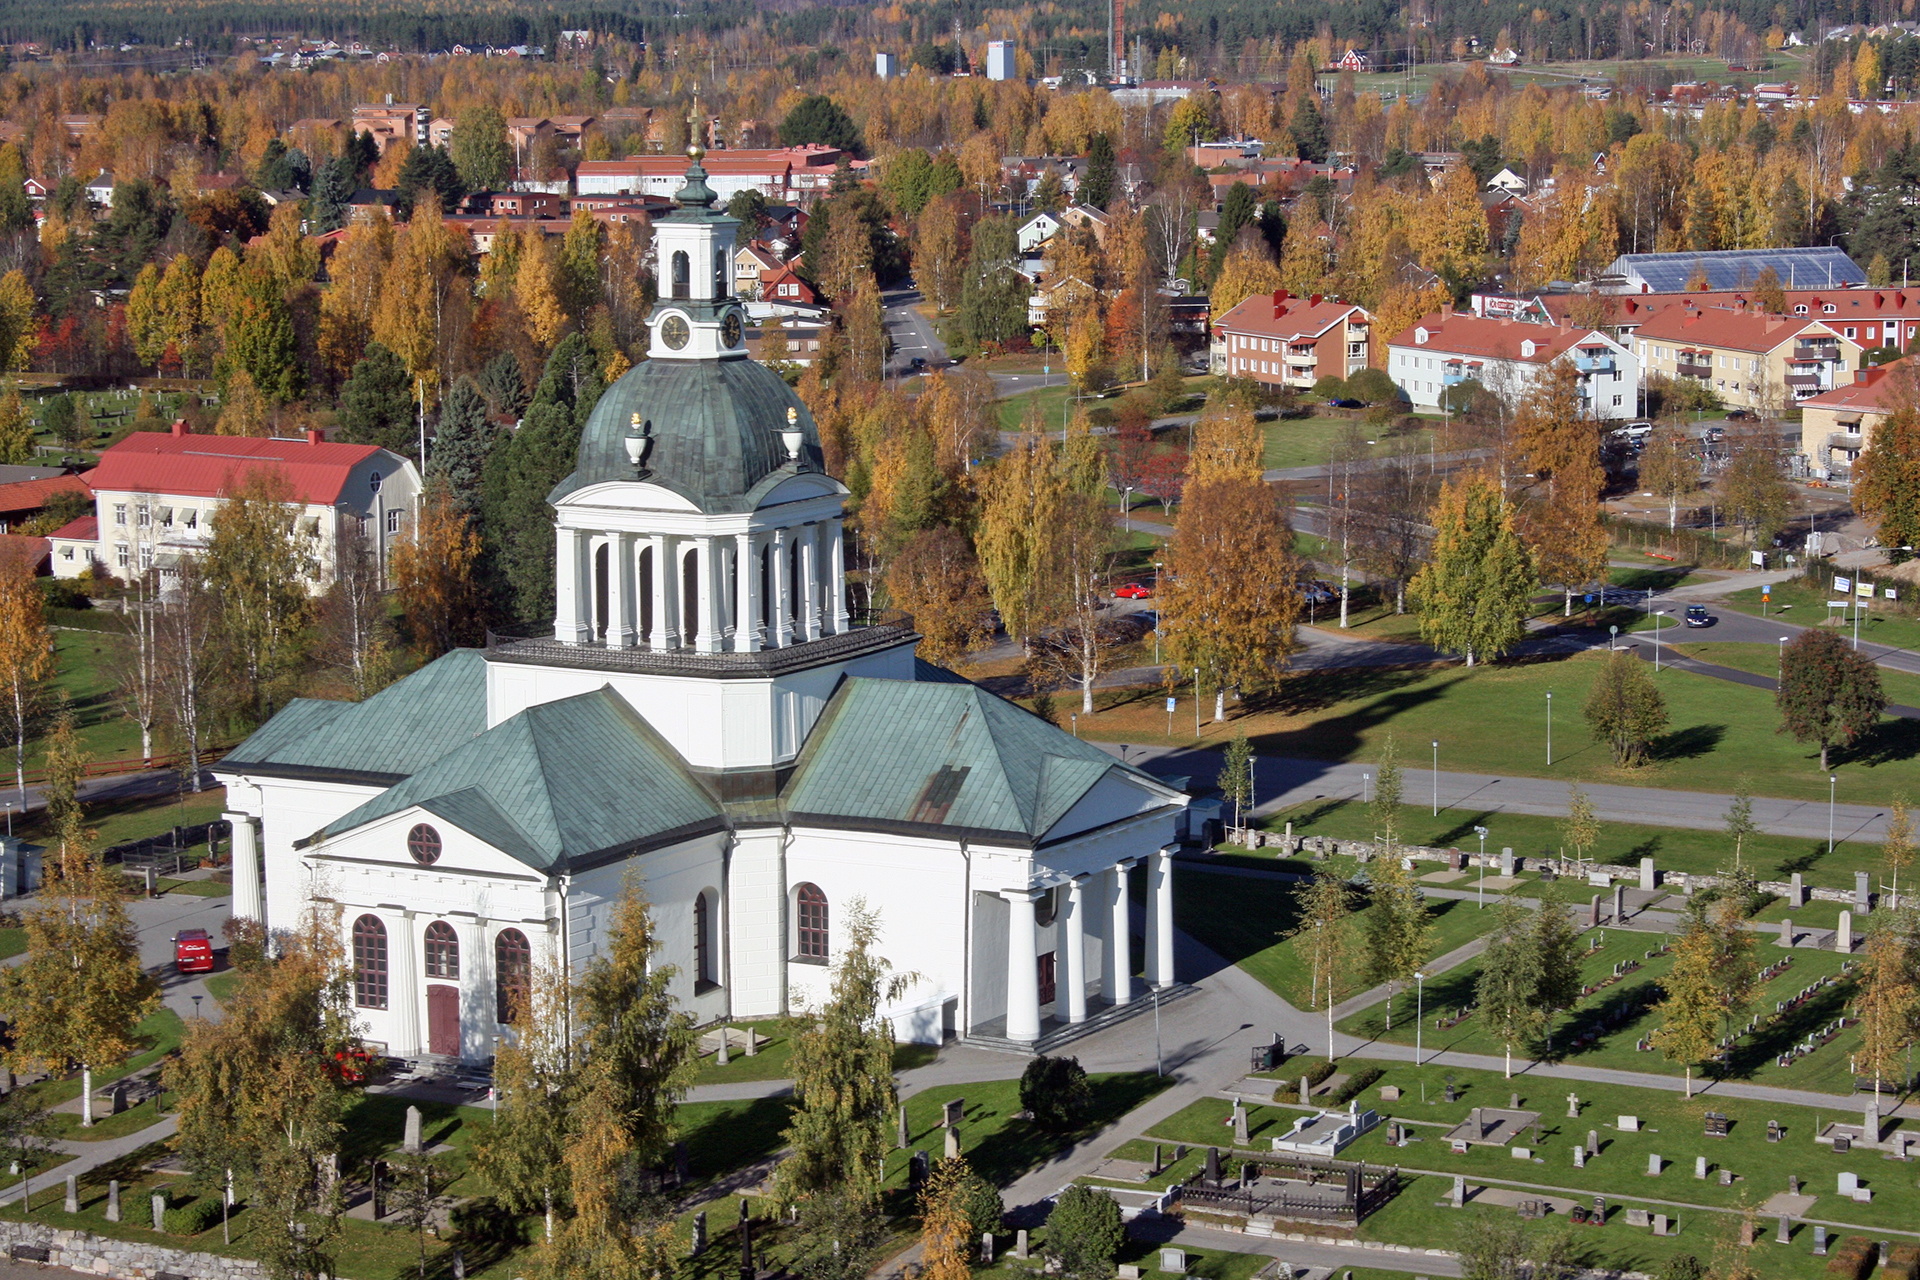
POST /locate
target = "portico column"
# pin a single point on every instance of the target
(837, 582)
(477, 1005)
(810, 580)
(666, 590)
(706, 636)
(624, 633)
(573, 562)
(1070, 957)
(779, 609)
(1160, 918)
(249, 901)
(746, 586)
(1119, 930)
(1023, 968)
(403, 978)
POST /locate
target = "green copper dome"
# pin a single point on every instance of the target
(716, 428)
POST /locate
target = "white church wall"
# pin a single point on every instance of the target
(671, 879)
(988, 999)
(289, 810)
(756, 923)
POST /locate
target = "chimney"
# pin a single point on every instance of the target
(315, 436)
(1314, 301)
(1861, 377)
(1446, 311)
(180, 428)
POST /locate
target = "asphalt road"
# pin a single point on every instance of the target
(909, 333)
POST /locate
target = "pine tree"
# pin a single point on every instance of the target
(377, 405)
(1829, 694)
(1472, 593)
(1624, 708)
(504, 386)
(1398, 926)
(1097, 183)
(1505, 997)
(843, 1076)
(462, 442)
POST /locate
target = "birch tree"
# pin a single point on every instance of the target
(522, 1153)
(185, 660)
(1669, 470)
(140, 689)
(1325, 937)
(1889, 1001)
(1398, 926)
(1472, 593)
(258, 564)
(1504, 991)
(26, 657)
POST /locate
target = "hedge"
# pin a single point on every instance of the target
(193, 1217)
(1356, 1084)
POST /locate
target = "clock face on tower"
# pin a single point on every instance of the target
(730, 329)
(674, 332)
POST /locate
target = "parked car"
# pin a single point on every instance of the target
(193, 951)
(918, 364)
(1714, 435)
(1697, 616)
(1739, 415)
(1347, 402)
(1133, 591)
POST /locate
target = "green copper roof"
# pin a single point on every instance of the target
(561, 786)
(902, 753)
(716, 430)
(396, 732)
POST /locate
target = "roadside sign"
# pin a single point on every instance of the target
(1170, 705)
(1864, 590)
(1759, 559)
(1842, 584)
(1891, 594)
(1838, 604)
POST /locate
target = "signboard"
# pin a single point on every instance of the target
(1759, 559)
(1842, 584)
(1864, 590)
(1495, 307)
(1837, 604)
(1891, 594)
(1170, 705)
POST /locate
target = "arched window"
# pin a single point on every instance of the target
(703, 941)
(370, 963)
(680, 276)
(690, 617)
(602, 566)
(443, 951)
(812, 935)
(512, 973)
(646, 595)
(423, 842)
(719, 275)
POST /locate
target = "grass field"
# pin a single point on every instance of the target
(1310, 442)
(1764, 660)
(1492, 719)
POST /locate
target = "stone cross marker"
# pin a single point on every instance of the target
(1573, 1106)
(158, 1206)
(73, 1194)
(411, 1145)
(113, 1200)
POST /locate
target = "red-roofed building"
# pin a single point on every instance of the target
(1507, 356)
(1286, 341)
(1837, 425)
(1752, 360)
(18, 548)
(156, 495)
(26, 499)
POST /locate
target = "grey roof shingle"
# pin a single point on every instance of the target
(560, 786)
(396, 732)
(1819, 267)
(926, 755)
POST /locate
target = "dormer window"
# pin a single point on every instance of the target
(1527, 348)
(1420, 336)
(1828, 309)
(1799, 308)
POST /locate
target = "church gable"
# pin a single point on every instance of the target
(559, 786)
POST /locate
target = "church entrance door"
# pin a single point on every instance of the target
(1046, 978)
(443, 1020)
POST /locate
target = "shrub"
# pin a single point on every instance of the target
(1904, 1262)
(1373, 386)
(484, 1219)
(1055, 1090)
(64, 593)
(1331, 388)
(1356, 1084)
(193, 1217)
(980, 1201)
(1854, 1257)
(1084, 1233)
(1319, 1071)
(1683, 1266)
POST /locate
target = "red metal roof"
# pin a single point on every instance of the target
(31, 495)
(1733, 330)
(1871, 391)
(81, 529)
(1459, 333)
(209, 466)
(1279, 315)
(18, 548)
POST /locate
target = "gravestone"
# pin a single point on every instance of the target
(1797, 892)
(1506, 862)
(1389, 1093)
(1573, 1106)
(1699, 1167)
(953, 1144)
(73, 1194)
(1726, 1177)
(1773, 1131)
(1660, 1225)
(900, 1136)
(1849, 1183)
(951, 1114)
(699, 1235)
(1629, 1124)
(1213, 1166)
(1819, 1242)
(1593, 912)
(1579, 1156)
(726, 1054)
(1306, 1091)
(1513, 1102)
(1459, 1191)
(158, 1206)
(1522, 1153)
(1793, 1184)
(1871, 1124)
(753, 1042)
(1653, 1165)
(1593, 1143)
(1174, 1260)
(1157, 1166)
(1451, 1093)
(411, 1144)
(113, 1200)
(459, 1264)
(1619, 903)
(918, 1165)
(1786, 933)
(1638, 1218)
(1785, 1234)
(1239, 1124)
(1862, 893)
(117, 1098)
(1020, 1243)
(1127, 1271)
(986, 1248)
(1649, 878)
(682, 1167)
(1843, 936)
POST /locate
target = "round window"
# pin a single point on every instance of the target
(423, 842)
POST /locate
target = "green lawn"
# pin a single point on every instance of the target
(85, 672)
(1000, 1146)
(1671, 848)
(1764, 660)
(1310, 442)
(774, 1060)
(1241, 919)
(1054, 403)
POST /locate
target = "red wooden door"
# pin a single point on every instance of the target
(443, 1020)
(1046, 978)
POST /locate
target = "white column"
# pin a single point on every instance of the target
(1070, 956)
(779, 608)
(573, 586)
(1119, 927)
(1023, 968)
(837, 571)
(746, 590)
(708, 624)
(249, 899)
(476, 987)
(1160, 918)
(810, 581)
(624, 633)
(666, 594)
(403, 987)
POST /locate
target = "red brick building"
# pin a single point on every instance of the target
(1287, 341)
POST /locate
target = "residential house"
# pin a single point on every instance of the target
(751, 264)
(21, 500)
(1836, 426)
(783, 284)
(1036, 231)
(1750, 359)
(391, 124)
(1284, 341)
(1508, 357)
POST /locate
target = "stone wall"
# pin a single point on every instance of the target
(119, 1259)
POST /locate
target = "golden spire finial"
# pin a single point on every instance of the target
(694, 131)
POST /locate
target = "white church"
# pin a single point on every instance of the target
(710, 715)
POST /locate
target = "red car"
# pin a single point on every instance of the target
(1133, 591)
(193, 951)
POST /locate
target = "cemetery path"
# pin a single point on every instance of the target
(87, 1156)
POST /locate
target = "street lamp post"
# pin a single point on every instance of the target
(1157, 566)
(1782, 677)
(1126, 509)
(1658, 617)
(1482, 833)
(1833, 781)
(1436, 777)
(1613, 634)
(1549, 728)
(1366, 788)
(1419, 1012)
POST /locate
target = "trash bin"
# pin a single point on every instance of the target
(1262, 1057)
